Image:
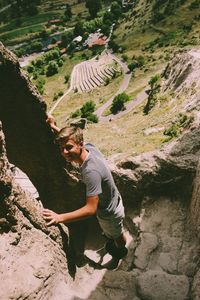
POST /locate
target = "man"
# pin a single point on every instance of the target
(102, 195)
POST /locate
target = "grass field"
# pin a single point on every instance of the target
(17, 33)
(73, 101)
(28, 21)
(56, 83)
(126, 135)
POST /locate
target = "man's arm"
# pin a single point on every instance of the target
(51, 121)
(86, 211)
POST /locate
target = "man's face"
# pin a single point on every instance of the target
(70, 150)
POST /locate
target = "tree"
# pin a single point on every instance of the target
(68, 12)
(52, 54)
(87, 109)
(52, 68)
(92, 118)
(78, 29)
(93, 7)
(113, 45)
(116, 10)
(154, 83)
(32, 10)
(40, 85)
(66, 38)
(118, 103)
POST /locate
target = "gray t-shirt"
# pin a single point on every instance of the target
(99, 181)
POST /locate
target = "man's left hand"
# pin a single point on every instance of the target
(51, 217)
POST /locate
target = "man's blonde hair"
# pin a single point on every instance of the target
(67, 133)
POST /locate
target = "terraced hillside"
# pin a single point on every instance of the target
(91, 74)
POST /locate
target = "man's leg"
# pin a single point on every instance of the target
(117, 247)
(120, 242)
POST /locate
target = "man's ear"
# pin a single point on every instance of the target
(81, 144)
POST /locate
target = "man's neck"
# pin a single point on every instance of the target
(83, 156)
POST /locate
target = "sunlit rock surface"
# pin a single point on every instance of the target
(161, 196)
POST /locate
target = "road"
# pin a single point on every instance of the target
(128, 107)
(99, 112)
(122, 88)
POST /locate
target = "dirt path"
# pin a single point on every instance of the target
(59, 100)
(99, 112)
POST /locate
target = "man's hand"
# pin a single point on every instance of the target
(50, 120)
(52, 123)
(51, 216)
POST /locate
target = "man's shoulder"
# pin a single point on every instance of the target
(94, 150)
(89, 146)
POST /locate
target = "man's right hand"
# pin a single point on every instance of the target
(52, 122)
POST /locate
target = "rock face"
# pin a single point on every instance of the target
(23, 115)
(182, 77)
(31, 256)
(161, 195)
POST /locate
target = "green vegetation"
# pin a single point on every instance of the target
(195, 4)
(34, 46)
(67, 77)
(87, 112)
(154, 83)
(146, 36)
(118, 103)
(48, 64)
(182, 122)
(40, 85)
(24, 7)
(163, 8)
(68, 13)
(93, 7)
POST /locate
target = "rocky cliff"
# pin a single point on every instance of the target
(160, 192)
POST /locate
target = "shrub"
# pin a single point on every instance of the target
(60, 93)
(181, 122)
(67, 78)
(125, 57)
(40, 85)
(76, 114)
(55, 97)
(87, 109)
(106, 80)
(92, 118)
(141, 61)
(60, 63)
